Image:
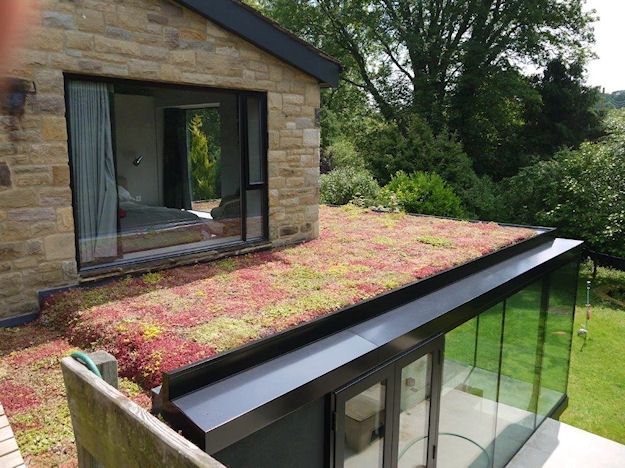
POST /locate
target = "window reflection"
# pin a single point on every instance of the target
(158, 169)
(469, 394)
(505, 371)
(364, 428)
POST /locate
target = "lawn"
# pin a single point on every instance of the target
(597, 380)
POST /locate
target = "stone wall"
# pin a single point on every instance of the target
(137, 39)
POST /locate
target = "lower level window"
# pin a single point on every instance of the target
(159, 170)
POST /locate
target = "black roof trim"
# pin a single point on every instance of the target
(268, 35)
(216, 415)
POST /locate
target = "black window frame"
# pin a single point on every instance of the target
(184, 250)
(391, 372)
(246, 184)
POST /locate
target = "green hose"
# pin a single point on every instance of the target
(87, 361)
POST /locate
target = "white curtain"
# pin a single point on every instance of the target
(93, 170)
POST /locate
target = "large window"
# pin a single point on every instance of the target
(159, 170)
(504, 371)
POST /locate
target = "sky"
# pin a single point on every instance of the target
(608, 71)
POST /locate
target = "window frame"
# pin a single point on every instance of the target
(182, 250)
(391, 372)
(246, 184)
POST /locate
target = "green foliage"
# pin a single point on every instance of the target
(204, 154)
(582, 192)
(346, 184)
(388, 151)
(456, 65)
(567, 115)
(423, 193)
(342, 153)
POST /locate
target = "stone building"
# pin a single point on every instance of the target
(139, 134)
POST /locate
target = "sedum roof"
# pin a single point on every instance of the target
(160, 321)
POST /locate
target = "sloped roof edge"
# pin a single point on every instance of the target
(268, 35)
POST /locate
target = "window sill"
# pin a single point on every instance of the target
(161, 262)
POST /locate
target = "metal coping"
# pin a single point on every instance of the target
(220, 414)
(227, 410)
(268, 35)
(204, 372)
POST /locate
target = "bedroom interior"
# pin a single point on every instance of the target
(158, 169)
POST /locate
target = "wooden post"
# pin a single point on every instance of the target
(107, 365)
(115, 431)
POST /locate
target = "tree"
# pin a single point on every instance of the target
(204, 155)
(582, 192)
(410, 55)
(614, 100)
(568, 115)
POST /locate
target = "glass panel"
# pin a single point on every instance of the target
(469, 394)
(254, 140)
(364, 428)
(254, 214)
(156, 170)
(518, 386)
(558, 335)
(414, 416)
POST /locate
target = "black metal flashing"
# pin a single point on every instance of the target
(268, 35)
(229, 409)
(185, 379)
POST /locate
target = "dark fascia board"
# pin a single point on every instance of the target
(188, 378)
(268, 35)
(230, 409)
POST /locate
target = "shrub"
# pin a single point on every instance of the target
(347, 184)
(342, 153)
(423, 193)
(582, 192)
(389, 151)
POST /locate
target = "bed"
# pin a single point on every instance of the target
(145, 227)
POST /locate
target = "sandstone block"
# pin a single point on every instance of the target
(59, 246)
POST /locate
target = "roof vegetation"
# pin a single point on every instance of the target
(163, 320)
(160, 321)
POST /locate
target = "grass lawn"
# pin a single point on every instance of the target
(597, 379)
(596, 386)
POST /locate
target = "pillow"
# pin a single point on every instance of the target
(124, 195)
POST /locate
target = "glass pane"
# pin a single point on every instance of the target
(469, 394)
(415, 394)
(558, 335)
(254, 214)
(518, 386)
(364, 428)
(254, 140)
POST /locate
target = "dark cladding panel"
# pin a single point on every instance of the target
(297, 440)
